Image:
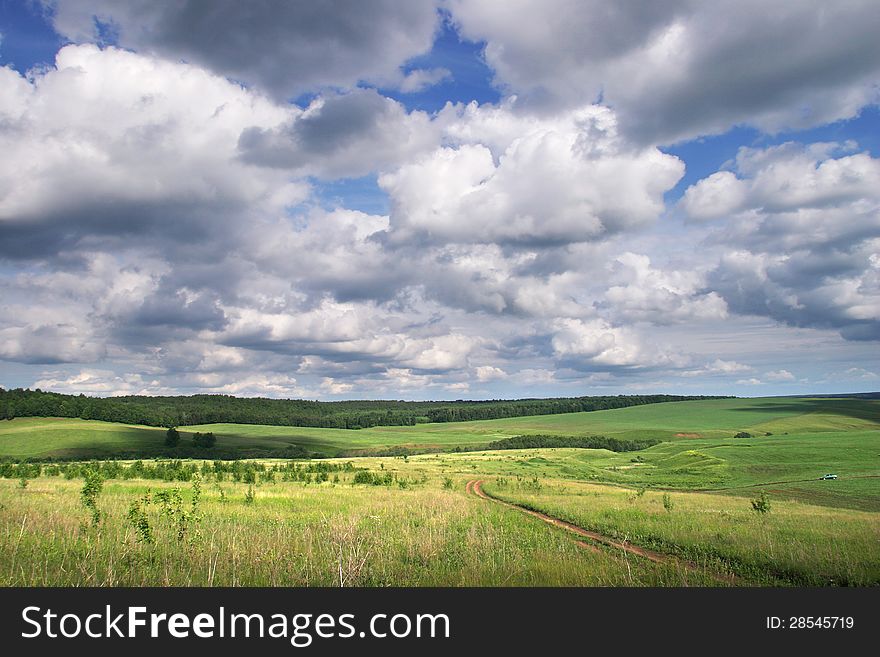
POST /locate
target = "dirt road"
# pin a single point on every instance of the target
(474, 487)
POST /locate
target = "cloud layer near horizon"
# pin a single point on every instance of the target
(164, 226)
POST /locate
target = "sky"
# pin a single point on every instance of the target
(439, 199)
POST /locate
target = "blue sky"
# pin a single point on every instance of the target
(442, 199)
(28, 37)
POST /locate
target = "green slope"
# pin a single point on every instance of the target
(36, 437)
(808, 438)
(674, 421)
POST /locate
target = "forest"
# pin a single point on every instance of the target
(207, 409)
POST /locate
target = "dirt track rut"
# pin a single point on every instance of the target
(474, 487)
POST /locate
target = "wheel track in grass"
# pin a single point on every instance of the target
(475, 487)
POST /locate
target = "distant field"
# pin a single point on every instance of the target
(39, 437)
(788, 467)
(810, 437)
(25, 437)
(717, 418)
(710, 418)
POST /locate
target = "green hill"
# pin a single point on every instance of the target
(794, 441)
(690, 421)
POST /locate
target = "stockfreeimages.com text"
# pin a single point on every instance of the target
(300, 629)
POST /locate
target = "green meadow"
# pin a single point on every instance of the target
(332, 534)
(409, 520)
(671, 421)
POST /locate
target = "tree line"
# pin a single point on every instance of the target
(582, 442)
(208, 409)
(248, 472)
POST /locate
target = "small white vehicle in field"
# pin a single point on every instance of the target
(829, 476)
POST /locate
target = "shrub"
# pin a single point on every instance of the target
(205, 440)
(667, 502)
(172, 437)
(447, 483)
(137, 518)
(363, 477)
(367, 477)
(743, 434)
(761, 504)
(196, 486)
(89, 495)
(636, 494)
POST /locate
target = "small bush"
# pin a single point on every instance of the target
(137, 518)
(367, 477)
(667, 502)
(363, 477)
(447, 483)
(636, 494)
(172, 437)
(89, 495)
(205, 440)
(761, 504)
(196, 487)
(743, 434)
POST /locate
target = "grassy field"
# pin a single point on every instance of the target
(810, 437)
(794, 543)
(671, 421)
(299, 535)
(40, 437)
(688, 497)
(674, 421)
(426, 531)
